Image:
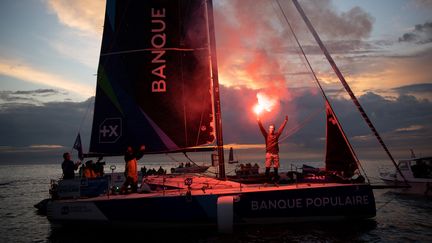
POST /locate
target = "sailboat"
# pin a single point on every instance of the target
(231, 157)
(157, 85)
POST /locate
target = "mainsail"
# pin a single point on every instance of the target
(154, 84)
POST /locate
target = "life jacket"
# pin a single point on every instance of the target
(131, 169)
(89, 173)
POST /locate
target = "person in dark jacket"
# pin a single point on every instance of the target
(69, 167)
(272, 146)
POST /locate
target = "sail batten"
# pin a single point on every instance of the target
(154, 78)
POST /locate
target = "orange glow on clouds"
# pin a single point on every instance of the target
(87, 16)
(25, 72)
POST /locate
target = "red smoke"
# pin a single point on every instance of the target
(253, 46)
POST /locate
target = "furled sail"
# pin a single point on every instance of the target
(154, 82)
(340, 157)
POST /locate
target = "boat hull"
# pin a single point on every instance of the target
(257, 205)
(416, 173)
(192, 169)
(346, 201)
(419, 187)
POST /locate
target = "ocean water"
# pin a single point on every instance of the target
(399, 218)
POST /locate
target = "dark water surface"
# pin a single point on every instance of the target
(399, 219)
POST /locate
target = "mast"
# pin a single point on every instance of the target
(214, 74)
(345, 84)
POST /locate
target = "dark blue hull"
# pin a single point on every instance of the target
(345, 201)
(248, 206)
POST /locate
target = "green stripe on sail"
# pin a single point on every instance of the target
(104, 83)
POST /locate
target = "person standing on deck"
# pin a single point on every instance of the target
(272, 146)
(69, 167)
(131, 168)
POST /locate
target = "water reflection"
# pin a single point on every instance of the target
(294, 232)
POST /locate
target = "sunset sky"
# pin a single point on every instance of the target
(49, 52)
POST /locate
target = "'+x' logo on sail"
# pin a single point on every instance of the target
(110, 130)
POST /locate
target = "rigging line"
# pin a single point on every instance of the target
(189, 158)
(322, 91)
(172, 158)
(83, 118)
(201, 122)
(346, 86)
(185, 127)
(199, 128)
(385, 204)
(85, 115)
(294, 130)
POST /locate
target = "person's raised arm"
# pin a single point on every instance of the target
(140, 152)
(281, 128)
(77, 164)
(263, 131)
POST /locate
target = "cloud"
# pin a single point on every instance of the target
(83, 49)
(85, 21)
(86, 16)
(28, 96)
(352, 24)
(306, 126)
(383, 71)
(28, 73)
(252, 47)
(423, 90)
(426, 87)
(424, 3)
(403, 122)
(43, 92)
(46, 146)
(51, 123)
(410, 128)
(421, 34)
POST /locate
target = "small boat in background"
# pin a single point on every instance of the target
(417, 172)
(189, 168)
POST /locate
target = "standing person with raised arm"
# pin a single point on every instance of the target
(272, 146)
(131, 168)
